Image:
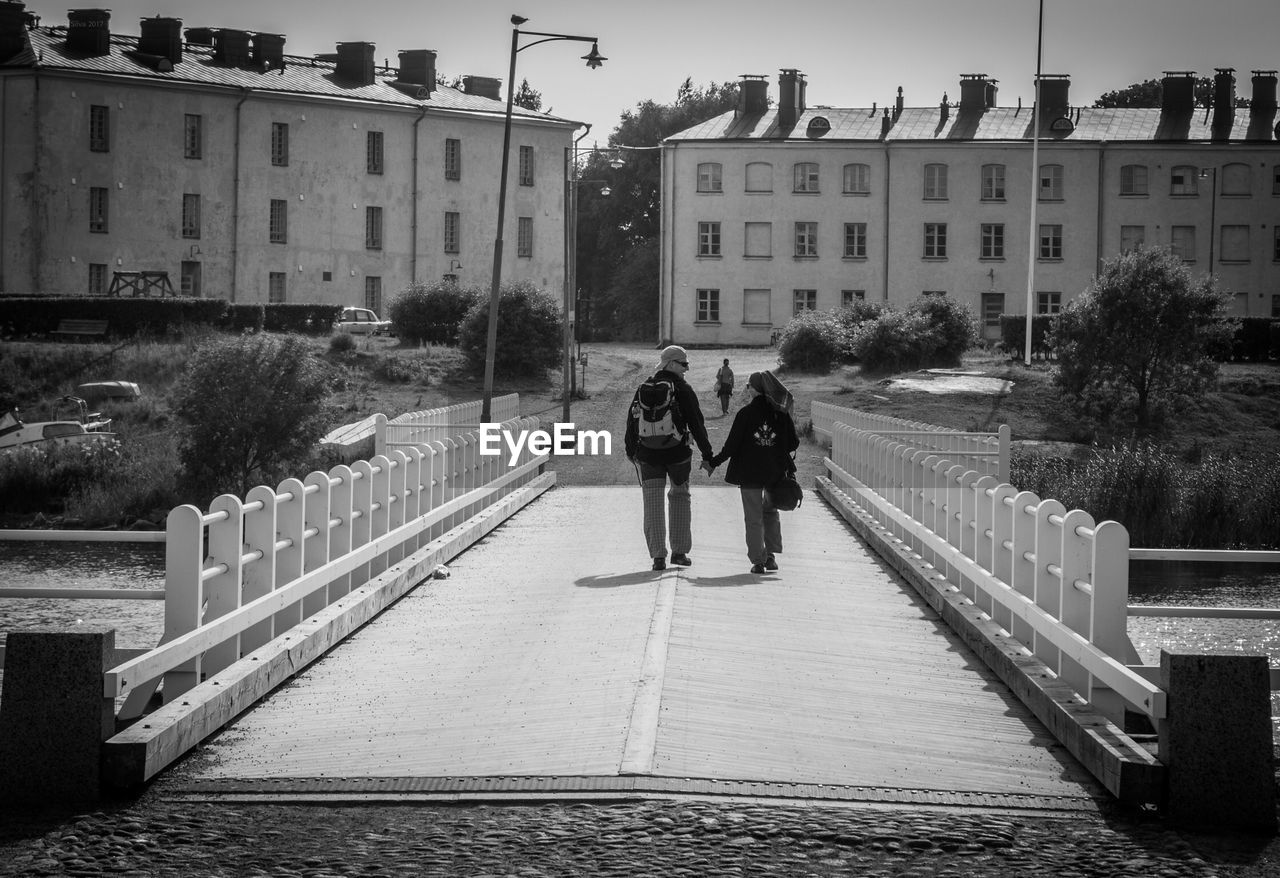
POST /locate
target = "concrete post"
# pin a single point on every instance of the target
(1216, 742)
(53, 715)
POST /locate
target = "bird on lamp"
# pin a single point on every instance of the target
(517, 20)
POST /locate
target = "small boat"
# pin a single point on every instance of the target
(88, 428)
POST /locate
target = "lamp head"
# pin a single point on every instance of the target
(616, 162)
(606, 191)
(593, 58)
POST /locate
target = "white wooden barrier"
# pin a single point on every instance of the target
(434, 425)
(987, 453)
(248, 570)
(1052, 578)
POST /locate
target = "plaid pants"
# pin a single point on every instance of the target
(653, 482)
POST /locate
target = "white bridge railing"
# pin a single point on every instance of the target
(248, 570)
(432, 425)
(987, 453)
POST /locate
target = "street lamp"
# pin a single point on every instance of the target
(594, 59)
(1211, 174)
(1033, 232)
(571, 183)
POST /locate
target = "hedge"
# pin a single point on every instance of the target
(304, 319)
(40, 315)
(1013, 335)
(1255, 339)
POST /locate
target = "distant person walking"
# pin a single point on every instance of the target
(724, 386)
(759, 448)
(664, 415)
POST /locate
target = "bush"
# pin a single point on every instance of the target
(1253, 339)
(306, 319)
(245, 318)
(432, 313)
(890, 343)
(342, 343)
(143, 484)
(529, 332)
(1013, 335)
(251, 407)
(38, 477)
(949, 329)
(810, 342)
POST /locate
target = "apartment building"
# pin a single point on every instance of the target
(770, 210)
(249, 174)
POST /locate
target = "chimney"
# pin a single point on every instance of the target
(790, 97)
(231, 48)
(13, 29)
(1264, 92)
(268, 51)
(897, 105)
(89, 31)
(1053, 95)
(991, 91)
(355, 63)
(1224, 102)
(753, 95)
(1178, 91)
(945, 107)
(482, 87)
(162, 37)
(418, 67)
(885, 124)
(973, 92)
(200, 36)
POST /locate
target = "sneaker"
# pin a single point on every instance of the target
(770, 563)
(660, 563)
(681, 560)
(757, 568)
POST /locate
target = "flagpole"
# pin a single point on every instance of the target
(1035, 188)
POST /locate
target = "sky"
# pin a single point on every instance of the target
(853, 54)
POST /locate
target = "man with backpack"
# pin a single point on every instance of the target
(663, 416)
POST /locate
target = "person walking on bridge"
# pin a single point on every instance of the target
(724, 386)
(662, 418)
(759, 450)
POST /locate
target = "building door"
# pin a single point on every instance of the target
(191, 280)
(992, 308)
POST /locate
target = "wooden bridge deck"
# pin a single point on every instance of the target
(554, 655)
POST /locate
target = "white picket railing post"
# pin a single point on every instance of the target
(379, 507)
(291, 531)
(342, 504)
(317, 537)
(223, 589)
(1077, 599)
(361, 515)
(380, 434)
(259, 573)
(1023, 570)
(1110, 578)
(184, 588)
(984, 490)
(439, 488)
(1046, 587)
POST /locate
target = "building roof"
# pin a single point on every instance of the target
(915, 124)
(300, 76)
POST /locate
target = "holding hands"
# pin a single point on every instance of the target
(706, 466)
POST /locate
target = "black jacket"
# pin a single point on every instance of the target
(694, 426)
(760, 444)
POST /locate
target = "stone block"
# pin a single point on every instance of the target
(53, 716)
(1216, 741)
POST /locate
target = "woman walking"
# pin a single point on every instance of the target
(759, 448)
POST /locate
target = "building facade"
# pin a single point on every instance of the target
(770, 210)
(251, 175)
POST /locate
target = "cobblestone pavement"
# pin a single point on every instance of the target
(696, 838)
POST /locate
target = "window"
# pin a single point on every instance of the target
(855, 240)
(848, 297)
(803, 300)
(279, 232)
(759, 177)
(1275, 304)
(933, 292)
(189, 279)
(98, 209)
(524, 236)
(99, 128)
(275, 287)
(1275, 180)
(1051, 182)
(1048, 303)
(709, 177)
(190, 216)
(708, 239)
(1237, 180)
(992, 241)
(1275, 252)
(806, 239)
(1235, 243)
(452, 232)
(97, 279)
(1132, 237)
(857, 179)
(373, 228)
(806, 177)
(993, 182)
(373, 152)
(1133, 180)
(193, 136)
(526, 166)
(935, 182)
(935, 240)
(708, 304)
(1183, 243)
(280, 144)
(758, 240)
(452, 158)
(1050, 241)
(756, 306)
(373, 294)
(1182, 180)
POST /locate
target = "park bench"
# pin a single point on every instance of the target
(81, 328)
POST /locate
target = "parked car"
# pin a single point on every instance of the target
(362, 321)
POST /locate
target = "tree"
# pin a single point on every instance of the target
(1141, 336)
(528, 98)
(1148, 93)
(530, 333)
(251, 407)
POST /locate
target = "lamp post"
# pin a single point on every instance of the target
(1033, 233)
(572, 181)
(594, 59)
(1212, 175)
